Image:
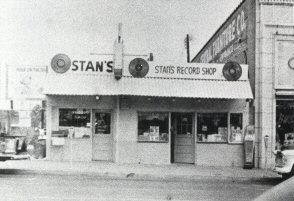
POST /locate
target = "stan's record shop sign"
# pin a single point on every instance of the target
(140, 68)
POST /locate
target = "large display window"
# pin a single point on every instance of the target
(284, 122)
(153, 126)
(212, 127)
(76, 121)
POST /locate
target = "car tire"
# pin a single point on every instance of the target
(288, 175)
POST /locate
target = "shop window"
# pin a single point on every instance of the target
(212, 127)
(284, 123)
(153, 126)
(236, 126)
(76, 121)
(102, 123)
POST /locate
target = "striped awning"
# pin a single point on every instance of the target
(107, 85)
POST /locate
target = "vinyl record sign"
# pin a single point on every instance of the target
(232, 71)
(138, 67)
(60, 63)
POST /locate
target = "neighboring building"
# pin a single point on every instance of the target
(145, 112)
(260, 33)
(21, 92)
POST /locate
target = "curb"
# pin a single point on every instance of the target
(140, 176)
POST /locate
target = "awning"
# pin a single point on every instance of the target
(186, 88)
(107, 85)
(87, 85)
(284, 92)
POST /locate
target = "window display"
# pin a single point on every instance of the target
(284, 122)
(153, 126)
(236, 126)
(78, 121)
(212, 127)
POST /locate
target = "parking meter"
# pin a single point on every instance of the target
(266, 141)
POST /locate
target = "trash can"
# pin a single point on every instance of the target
(40, 149)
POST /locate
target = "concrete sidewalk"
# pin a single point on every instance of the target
(135, 171)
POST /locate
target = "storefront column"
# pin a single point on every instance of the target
(117, 129)
(48, 128)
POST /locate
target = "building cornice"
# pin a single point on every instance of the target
(283, 2)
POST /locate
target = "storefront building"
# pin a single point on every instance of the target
(261, 34)
(145, 112)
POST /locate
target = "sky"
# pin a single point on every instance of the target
(33, 31)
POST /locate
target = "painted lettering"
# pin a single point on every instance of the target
(90, 66)
(82, 65)
(208, 71)
(109, 66)
(75, 65)
(99, 66)
(224, 39)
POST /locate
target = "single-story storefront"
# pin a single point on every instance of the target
(173, 113)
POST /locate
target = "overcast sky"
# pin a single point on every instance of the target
(33, 31)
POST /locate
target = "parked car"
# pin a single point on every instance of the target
(281, 192)
(284, 162)
(12, 149)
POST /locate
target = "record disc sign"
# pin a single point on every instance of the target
(232, 71)
(60, 63)
(138, 67)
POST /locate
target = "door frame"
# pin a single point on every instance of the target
(172, 136)
(111, 130)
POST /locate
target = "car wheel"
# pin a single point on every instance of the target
(288, 175)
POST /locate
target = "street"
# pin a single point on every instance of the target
(30, 187)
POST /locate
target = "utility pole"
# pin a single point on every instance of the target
(187, 47)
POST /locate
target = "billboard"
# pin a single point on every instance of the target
(25, 82)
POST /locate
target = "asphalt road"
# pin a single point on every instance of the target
(28, 187)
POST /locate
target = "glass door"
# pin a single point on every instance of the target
(102, 136)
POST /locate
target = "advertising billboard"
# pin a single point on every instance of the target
(25, 82)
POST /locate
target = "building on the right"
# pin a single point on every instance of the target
(260, 33)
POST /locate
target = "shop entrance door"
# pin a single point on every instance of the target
(182, 138)
(102, 136)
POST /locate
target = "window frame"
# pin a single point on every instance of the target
(242, 130)
(212, 142)
(62, 128)
(155, 141)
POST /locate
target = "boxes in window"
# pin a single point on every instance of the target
(236, 135)
(223, 132)
(154, 133)
(144, 137)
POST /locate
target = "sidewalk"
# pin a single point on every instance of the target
(136, 171)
